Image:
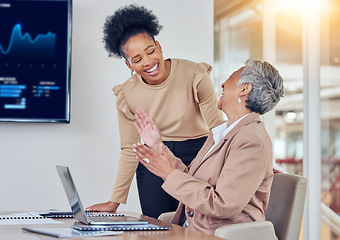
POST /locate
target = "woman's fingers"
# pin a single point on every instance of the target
(157, 163)
(140, 158)
(139, 121)
(142, 113)
(143, 151)
(143, 116)
(143, 120)
(143, 154)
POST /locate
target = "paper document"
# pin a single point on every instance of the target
(68, 232)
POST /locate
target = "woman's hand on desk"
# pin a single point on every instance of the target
(104, 207)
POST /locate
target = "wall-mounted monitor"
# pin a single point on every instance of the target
(35, 60)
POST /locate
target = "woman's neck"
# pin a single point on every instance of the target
(233, 116)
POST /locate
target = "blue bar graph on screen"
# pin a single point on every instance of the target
(11, 90)
(35, 53)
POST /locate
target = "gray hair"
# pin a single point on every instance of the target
(267, 85)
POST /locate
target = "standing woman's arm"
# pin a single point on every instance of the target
(205, 96)
(127, 163)
(128, 136)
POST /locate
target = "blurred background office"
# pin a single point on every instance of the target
(300, 38)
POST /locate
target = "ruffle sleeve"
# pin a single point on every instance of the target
(202, 70)
(121, 102)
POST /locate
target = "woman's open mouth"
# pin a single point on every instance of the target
(153, 71)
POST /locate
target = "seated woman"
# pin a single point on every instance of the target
(229, 181)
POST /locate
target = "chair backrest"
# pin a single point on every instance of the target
(286, 205)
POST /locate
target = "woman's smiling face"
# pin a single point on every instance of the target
(144, 55)
(230, 93)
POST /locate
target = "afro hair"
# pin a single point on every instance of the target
(127, 22)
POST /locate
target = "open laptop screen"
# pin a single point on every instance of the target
(72, 194)
(77, 207)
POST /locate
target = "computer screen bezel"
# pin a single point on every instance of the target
(68, 76)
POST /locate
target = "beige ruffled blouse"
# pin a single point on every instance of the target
(184, 107)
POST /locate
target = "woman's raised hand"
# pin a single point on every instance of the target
(147, 129)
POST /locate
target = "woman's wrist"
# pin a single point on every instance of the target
(168, 173)
(157, 145)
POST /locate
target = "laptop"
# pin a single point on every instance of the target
(78, 210)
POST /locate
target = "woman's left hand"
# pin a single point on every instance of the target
(159, 163)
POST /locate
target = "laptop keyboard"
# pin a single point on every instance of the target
(101, 219)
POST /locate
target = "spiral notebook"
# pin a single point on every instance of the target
(25, 218)
(132, 227)
(61, 214)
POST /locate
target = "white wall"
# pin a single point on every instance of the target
(89, 145)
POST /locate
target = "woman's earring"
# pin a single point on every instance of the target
(131, 78)
(239, 100)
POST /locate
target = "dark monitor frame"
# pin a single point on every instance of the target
(65, 119)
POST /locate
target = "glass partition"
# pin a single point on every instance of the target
(330, 110)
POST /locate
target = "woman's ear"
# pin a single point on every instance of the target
(246, 89)
(158, 45)
(128, 65)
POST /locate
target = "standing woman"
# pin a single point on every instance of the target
(178, 94)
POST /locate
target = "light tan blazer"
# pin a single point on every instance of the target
(230, 185)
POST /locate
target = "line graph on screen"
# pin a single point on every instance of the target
(24, 46)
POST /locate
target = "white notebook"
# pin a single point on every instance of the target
(25, 218)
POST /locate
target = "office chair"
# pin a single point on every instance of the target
(284, 213)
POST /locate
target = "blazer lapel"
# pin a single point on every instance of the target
(250, 118)
(208, 144)
(199, 163)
